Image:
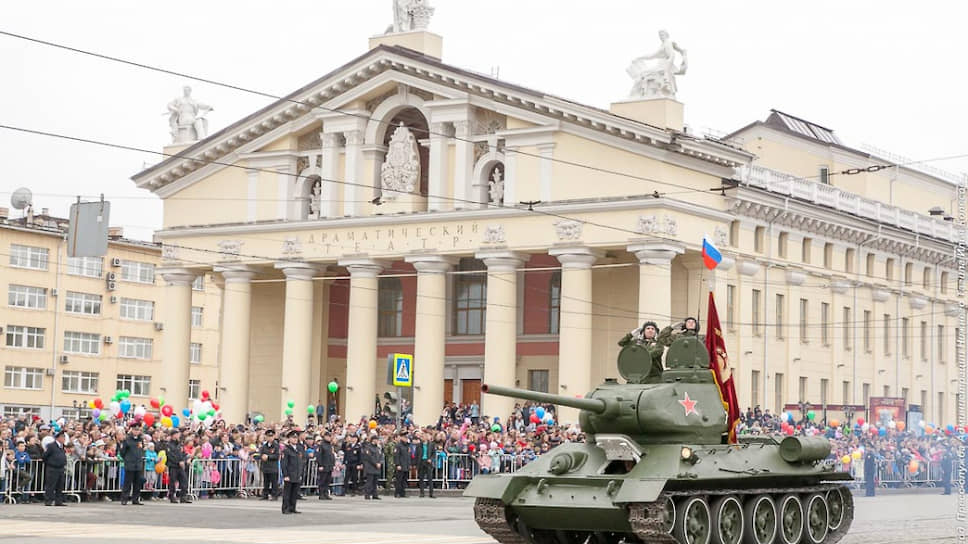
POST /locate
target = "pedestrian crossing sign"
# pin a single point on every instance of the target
(402, 370)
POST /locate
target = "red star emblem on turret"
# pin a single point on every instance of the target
(689, 405)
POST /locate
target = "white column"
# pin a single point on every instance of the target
(430, 336)
(178, 328)
(354, 172)
(361, 368)
(500, 340)
(463, 165)
(438, 176)
(297, 341)
(575, 331)
(236, 323)
(330, 173)
(655, 279)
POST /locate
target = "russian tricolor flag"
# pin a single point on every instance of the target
(711, 257)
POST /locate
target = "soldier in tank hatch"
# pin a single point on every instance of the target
(646, 336)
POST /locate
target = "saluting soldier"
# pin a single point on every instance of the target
(647, 337)
(293, 465)
(401, 462)
(269, 455)
(372, 464)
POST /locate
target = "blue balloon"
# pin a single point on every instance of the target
(550, 421)
(881, 431)
(186, 412)
(951, 428)
(175, 421)
(125, 406)
(540, 412)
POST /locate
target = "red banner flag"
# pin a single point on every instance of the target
(719, 363)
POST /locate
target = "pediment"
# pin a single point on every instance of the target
(361, 87)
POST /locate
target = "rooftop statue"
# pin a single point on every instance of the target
(655, 74)
(186, 118)
(410, 15)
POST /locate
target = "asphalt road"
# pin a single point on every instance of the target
(884, 519)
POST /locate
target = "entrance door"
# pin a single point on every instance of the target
(470, 391)
(448, 390)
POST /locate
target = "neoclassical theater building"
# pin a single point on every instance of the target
(504, 235)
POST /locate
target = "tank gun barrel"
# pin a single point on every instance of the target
(597, 406)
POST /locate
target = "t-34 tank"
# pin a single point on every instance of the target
(655, 468)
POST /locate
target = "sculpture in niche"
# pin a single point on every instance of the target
(655, 74)
(721, 236)
(568, 229)
(671, 226)
(400, 172)
(494, 234)
(315, 203)
(410, 15)
(650, 224)
(186, 118)
(495, 187)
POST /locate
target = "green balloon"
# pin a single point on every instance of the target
(291, 404)
(496, 428)
(200, 416)
(212, 412)
(102, 417)
(333, 387)
(811, 415)
(258, 419)
(161, 401)
(125, 394)
(288, 411)
(310, 409)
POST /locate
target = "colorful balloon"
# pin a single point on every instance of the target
(175, 421)
(845, 459)
(860, 421)
(155, 404)
(913, 466)
(310, 409)
(186, 412)
(900, 426)
(811, 415)
(333, 387)
(291, 403)
(125, 405)
(99, 404)
(160, 468)
(496, 428)
(167, 410)
(856, 454)
(540, 412)
(288, 411)
(140, 412)
(149, 419)
(371, 424)
(259, 418)
(834, 423)
(161, 401)
(166, 422)
(204, 394)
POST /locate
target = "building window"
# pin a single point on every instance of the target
(82, 303)
(944, 283)
(867, 331)
(79, 413)
(870, 265)
(759, 237)
(31, 257)
(730, 307)
(904, 395)
(21, 377)
(824, 385)
(390, 307)
(802, 389)
(554, 303)
(805, 250)
(195, 353)
(538, 380)
(92, 267)
(887, 390)
(889, 269)
(17, 411)
(867, 394)
(849, 256)
(470, 298)
(140, 386)
(134, 348)
(828, 256)
(908, 273)
(940, 407)
(887, 334)
(848, 327)
(781, 244)
(198, 284)
(780, 307)
(755, 387)
(734, 233)
(79, 382)
(942, 355)
(194, 389)
(23, 296)
(905, 337)
(778, 392)
(825, 323)
(137, 310)
(804, 308)
(756, 311)
(82, 343)
(924, 341)
(137, 272)
(824, 175)
(196, 316)
(926, 278)
(25, 337)
(845, 395)
(924, 402)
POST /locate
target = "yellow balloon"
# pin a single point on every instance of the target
(166, 421)
(856, 454)
(845, 459)
(90, 404)
(162, 456)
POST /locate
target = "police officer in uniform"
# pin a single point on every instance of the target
(133, 453)
(177, 471)
(372, 463)
(401, 462)
(293, 464)
(325, 460)
(55, 459)
(947, 467)
(870, 471)
(352, 458)
(269, 455)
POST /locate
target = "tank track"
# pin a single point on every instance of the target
(491, 517)
(644, 517)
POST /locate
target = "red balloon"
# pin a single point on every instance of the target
(149, 420)
(789, 431)
(155, 404)
(118, 415)
(204, 394)
(99, 404)
(167, 410)
(860, 421)
(535, 418)
(215, 406)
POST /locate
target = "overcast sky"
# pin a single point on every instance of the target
(884, 73)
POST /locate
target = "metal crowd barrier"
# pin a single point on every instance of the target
(890, 476)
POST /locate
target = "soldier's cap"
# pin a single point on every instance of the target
(134, 425)
(694, 319)
(270, 432)
(650, 324)
(294, 433)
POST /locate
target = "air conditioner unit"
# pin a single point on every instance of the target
(112, 285)
(50, 372)
(111, 276)
(53, 292)
(108, 340)
(64, 360)
(159, 326)
(114, 299)
(116, 261)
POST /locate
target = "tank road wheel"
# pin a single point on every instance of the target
(791, 519)
(727, 517)
(836, 507)
(816, 517)
(834, 535)
(759, 515)
(694, 524)
(668, 517)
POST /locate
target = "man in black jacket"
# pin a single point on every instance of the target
(133, 454)
(325, 460)
(372, 465)
(401, 458)
(426, 455)
(292, 466)
(269, 455)
(352, 458)
(55, 459)
(177, 469)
